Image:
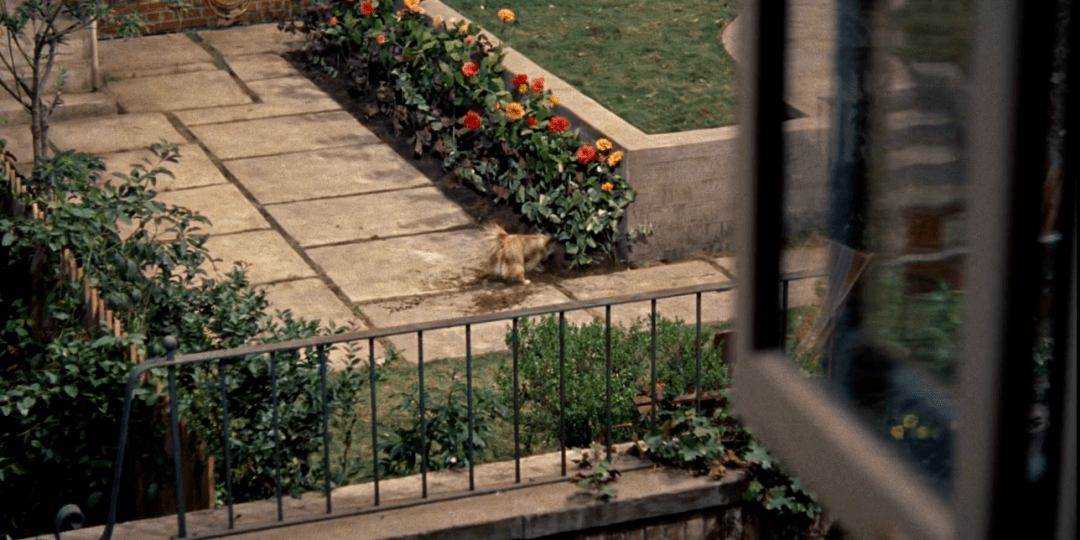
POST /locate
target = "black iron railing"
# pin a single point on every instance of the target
(70, 516)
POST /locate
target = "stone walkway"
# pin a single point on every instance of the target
(332, 223)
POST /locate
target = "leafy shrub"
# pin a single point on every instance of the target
(63, 388)
(446, 435)
(586, 410)
(442, 88)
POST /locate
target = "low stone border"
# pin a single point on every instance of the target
(686, 182)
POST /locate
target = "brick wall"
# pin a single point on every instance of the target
(205, 14)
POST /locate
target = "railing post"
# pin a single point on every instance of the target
(277, 437)
(374, 418)
(517, 450)
(423, 419)
(325, 426)
(562, 389)
(174, 426)
(468, 400)
(607, 380)
(225, 441)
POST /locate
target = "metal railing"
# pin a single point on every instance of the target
(70, 516)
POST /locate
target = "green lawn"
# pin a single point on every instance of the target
(658, 64)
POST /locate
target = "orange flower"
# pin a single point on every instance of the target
(417, 10)
(333, 21)
(366, 8)
(468, 39)
(553, 101)
(409, 4)
(464, 28)
(506, 15)
(603, 145)
(381, 39)
(470, 69)
(538, 85)
(471, 120)
(614, 158)
(607, 187)
(515, 111)
(522, 88)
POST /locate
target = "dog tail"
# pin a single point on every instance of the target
(494, 231)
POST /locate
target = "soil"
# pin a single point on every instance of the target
(482, 208)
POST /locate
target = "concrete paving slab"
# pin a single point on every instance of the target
(228, 210)
(252, 39)
(370, 216)
(450, 342)
(422, 264)
(715, 307)
(267, 255)
(194, 168)
(122, 58)
(269, 136)
(312, 300)
(803, 292)
(340, 171)
(178, 91)
(257, 67)
(280, 97)
(111, 134)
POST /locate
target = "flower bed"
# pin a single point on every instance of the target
(441, 84)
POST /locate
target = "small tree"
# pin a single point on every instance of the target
(34, 31)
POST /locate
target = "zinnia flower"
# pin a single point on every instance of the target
(538, 85)
(614, 158)
(515, 111)
(897, 432)
(381, 39)
(464, 28)
(522, 88)
(558, 124)
(506, 15)
(470, 69)
(553, 101)
(531, 120)
(468, 39)
(366, 8)
(603, 145)
(471, 120)
(607, 187)
(411, 3)
(910, 421)
(333, 21)
(417, 10)
(520, 80)
(586, 154)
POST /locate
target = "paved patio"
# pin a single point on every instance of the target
(332, 224)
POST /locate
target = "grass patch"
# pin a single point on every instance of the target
(659, 65)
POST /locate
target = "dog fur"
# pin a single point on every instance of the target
(514, 254)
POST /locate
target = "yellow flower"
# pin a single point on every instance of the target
(506, 15)
(411, 3)
(464, 28)
(515, 111)
(910, 421)
(921, 432)
(607, 187)
(553, 101)
(603, 145)
(897, 432)
(614, 158)
(522, 88)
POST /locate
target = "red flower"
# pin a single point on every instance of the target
(471, 120)
(586, 154)
(531, 120)
(470, 69)
(468, 39)
(538, 85)
(366, 8)
(381, 39)
(558, 124)
(520, 80)
(333, 21)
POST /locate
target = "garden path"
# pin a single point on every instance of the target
(330, 221)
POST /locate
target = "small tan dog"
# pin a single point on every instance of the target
(514, 254)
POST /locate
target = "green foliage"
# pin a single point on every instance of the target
(416, 78)
(446, 435)
(924, 327)
(62, 389)
(774, 489)
(686, 439)
(600, 475)
(586, 408)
